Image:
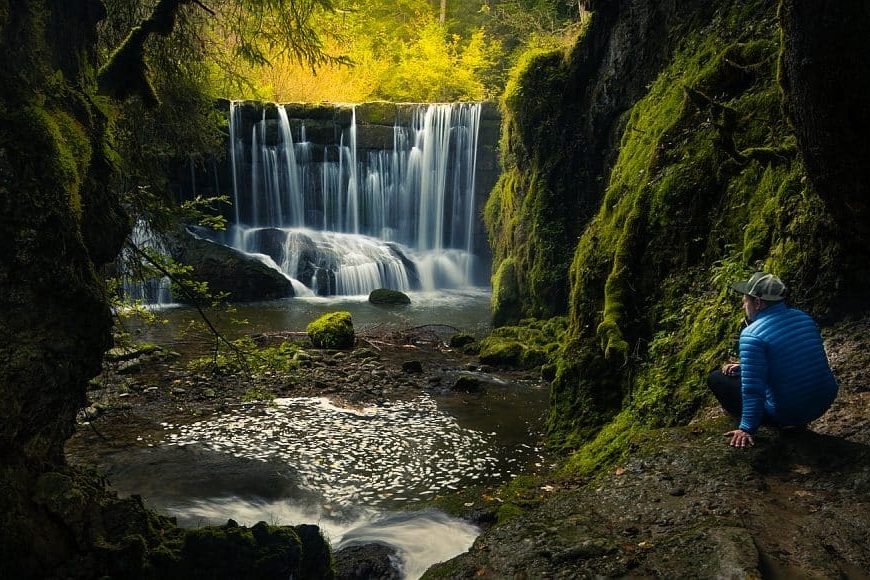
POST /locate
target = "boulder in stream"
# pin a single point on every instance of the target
(385, 296)
(367, 561)
(332, 330)
(243, 277)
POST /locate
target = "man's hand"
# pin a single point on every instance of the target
(740, 438)
(731, 369)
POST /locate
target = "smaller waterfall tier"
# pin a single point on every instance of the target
(332, 263)
(140, 283)
(345, 208)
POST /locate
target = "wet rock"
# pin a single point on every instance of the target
(467, 384)
(387, 297)
(587, 549)
(367, 561)
(125, 353)
(228, 270)
(461, 340)
(130, 367)
(412, 366)
(92, 412)
(364, 353)
(737, 555)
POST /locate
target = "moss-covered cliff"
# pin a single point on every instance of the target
(695, 177)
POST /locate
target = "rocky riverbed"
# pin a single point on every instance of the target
(360, 428)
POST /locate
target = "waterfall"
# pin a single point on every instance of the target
(293, 182)
(350, 216)
(138, 282)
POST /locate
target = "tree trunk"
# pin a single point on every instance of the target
(443, 18)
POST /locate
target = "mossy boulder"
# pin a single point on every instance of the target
(262, 551)
(461, 340)
(529, 344)
(332, 330)
(387, 297)
(501, 353)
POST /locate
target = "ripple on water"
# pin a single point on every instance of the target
(398, 452)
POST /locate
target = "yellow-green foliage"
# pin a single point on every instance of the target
(257, 394)
(247, 357)
(332, 330)
(706, 183)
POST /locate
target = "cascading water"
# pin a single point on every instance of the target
(136, 285)
(348, 219)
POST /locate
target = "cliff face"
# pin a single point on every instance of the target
(564, 113)
(656, 160)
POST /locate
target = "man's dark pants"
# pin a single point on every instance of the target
(727, 391)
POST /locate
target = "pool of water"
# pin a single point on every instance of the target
(363, 475)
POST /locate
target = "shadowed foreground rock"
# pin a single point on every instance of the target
(367, 562)
(61, 222)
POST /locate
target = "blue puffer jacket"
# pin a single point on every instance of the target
(784, 371)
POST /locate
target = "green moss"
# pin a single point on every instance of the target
(61, 151)
(530, 344)
(232, 551)
(609, 445)
(506, 304)
(705, 184)
(332, 330)
(518, 496)
(531, 212)
(377, 113)
(501, 353)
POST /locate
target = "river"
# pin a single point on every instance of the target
(363, 474)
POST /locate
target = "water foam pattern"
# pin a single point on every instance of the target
(399, 452)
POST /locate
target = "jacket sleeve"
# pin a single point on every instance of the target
(753, 380)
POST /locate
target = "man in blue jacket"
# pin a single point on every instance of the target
(783, 377)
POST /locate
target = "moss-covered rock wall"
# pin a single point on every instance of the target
(563, 116)
(691, 178)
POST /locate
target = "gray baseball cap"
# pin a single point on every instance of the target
(762, 285)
